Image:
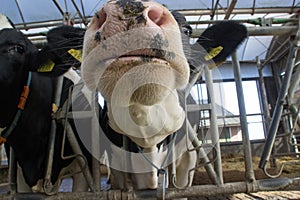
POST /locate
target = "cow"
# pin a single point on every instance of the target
(138, 57)
(28, 89)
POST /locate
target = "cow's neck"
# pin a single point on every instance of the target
(150, 124)
(9, 101)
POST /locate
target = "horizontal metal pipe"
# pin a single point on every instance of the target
(258, 31)
(239, 11)
(250, 21)
(171, 193)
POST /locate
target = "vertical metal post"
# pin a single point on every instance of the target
(77, 151)
(263, 95)
(243, 118)
(279, 103)
(214, 124)
(95, 143)
(12, 171)
(202, 154)
(127, 176)
(265, 105)
(47, 182)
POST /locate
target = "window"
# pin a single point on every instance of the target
(227, 110)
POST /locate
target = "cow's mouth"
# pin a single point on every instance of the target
(135, 60)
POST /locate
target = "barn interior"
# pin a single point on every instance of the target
(247, 107)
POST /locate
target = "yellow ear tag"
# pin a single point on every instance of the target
(213, 53)
(47, 67)
(77, 54)
(54, 108)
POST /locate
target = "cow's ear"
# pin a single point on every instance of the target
(42, 62)
(63, 51)
(219, 41)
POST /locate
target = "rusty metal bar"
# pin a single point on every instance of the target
(230, 9)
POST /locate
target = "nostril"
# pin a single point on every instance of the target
(100, 18)
(156, 15)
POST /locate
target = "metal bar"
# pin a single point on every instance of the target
(263, 96)
(12, 172)
(279, 103)
(213, 12)
(95, 143)
(279, 49)
(76, 149)
(21, 14)
(79, 13)
(253, 7)
(258, 31)
(48, 172)
(294, 83)
(243, 119)
(256, 21)
(240, 11)
(171, 193)
(293, 6)
(127, 163)
(230, 9)
(202, 154)
(58, 7)
(214, 124)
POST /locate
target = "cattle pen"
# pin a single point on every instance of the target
(267, 166)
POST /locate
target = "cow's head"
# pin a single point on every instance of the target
(19, 55)
(127, 36)
(135, 55)
(16, 53)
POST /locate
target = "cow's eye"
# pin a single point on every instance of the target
(187, 31)
(16, 49)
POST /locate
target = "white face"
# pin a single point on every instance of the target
(4, 23)
(134, 48)
(133, 55)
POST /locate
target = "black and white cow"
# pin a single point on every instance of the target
(27, 98)
(137, 56)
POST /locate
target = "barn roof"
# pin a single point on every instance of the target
(22, 12)
(47, 13)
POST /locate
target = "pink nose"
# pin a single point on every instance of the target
(158, 15)
(123, 15)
